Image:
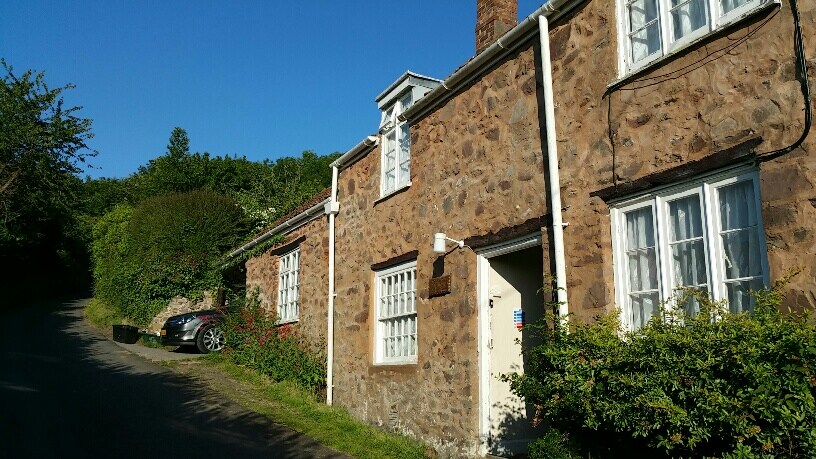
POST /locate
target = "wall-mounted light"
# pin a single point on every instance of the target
(439, 243)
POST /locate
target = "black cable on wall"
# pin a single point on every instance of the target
(802, 76)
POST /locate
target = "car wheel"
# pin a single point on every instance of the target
(210, 339)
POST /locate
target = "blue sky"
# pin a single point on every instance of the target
(261, 79)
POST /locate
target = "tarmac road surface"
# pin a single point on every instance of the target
(66, 391)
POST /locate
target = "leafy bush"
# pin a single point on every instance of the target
(713, 385)
(255, 340)
(552, 445)
(111, 250)
(164, 247)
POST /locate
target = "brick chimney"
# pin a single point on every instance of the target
(493, 19)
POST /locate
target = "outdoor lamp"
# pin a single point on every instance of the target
(439, 243)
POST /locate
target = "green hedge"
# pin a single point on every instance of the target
(163, 247)
(714, 385)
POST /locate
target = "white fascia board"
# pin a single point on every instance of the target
(553, 10)
(284, 228)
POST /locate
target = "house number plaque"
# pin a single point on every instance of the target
(439, 286)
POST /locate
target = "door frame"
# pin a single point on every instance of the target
(483, 256)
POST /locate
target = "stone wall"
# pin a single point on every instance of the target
(476, 170)
(686, 109)
(180, 305)
(478, 173)
(262, 274)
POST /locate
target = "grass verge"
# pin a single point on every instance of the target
(289, 404)
(102, 315)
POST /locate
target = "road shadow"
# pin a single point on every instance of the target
(66, 391)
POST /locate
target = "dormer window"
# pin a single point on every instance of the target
(395, 158)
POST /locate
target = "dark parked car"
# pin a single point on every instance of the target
(201, 329)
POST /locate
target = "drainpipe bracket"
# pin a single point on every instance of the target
(331, 208)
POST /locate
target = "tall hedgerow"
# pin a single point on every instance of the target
(163, 247)
(713, 385)
(110, 250)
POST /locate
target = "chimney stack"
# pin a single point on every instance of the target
(493, 19)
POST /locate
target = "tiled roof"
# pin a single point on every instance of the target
(311, 202)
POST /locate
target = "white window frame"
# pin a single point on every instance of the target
(716, 20)
(707, 188)
(289, 287)
(386, 322)
(392, 126)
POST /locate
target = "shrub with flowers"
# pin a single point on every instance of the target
(256, 340)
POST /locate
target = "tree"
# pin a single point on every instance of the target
(179, 144)
(101, 195)
(41, 144)
(169, 173)
(42, 147)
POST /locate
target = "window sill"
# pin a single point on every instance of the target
(395, 365)
(639, 70)
(393, 193)
(287, 322)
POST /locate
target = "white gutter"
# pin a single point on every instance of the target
(515, 37)
(552, 165)
(293, 223)
(349, 156)
(332, 207)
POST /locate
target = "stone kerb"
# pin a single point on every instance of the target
(180, 305)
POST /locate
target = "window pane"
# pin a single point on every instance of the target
(687, 16)
(387, 117)
(688, 257)
(405, 102)
(640, 250)
(689, 264)
(641, 12)
(685, 218)
(390, 162)
(737, 206)
(728, 5)
(405, 155)
(643, 307)
(741, 254)
(738, 298)
(738, 230)
(639, 229)
(404, 338)
(644, 27)
(643, 270)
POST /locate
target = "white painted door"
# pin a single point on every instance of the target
(514, 282)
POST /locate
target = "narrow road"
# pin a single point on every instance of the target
(65, 391)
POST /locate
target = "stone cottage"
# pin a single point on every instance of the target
(291, 278)
(626, 148)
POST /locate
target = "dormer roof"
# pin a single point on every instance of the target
(408, 79)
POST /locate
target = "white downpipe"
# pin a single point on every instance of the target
(332, 207)
(332, 210)
(552, 164)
